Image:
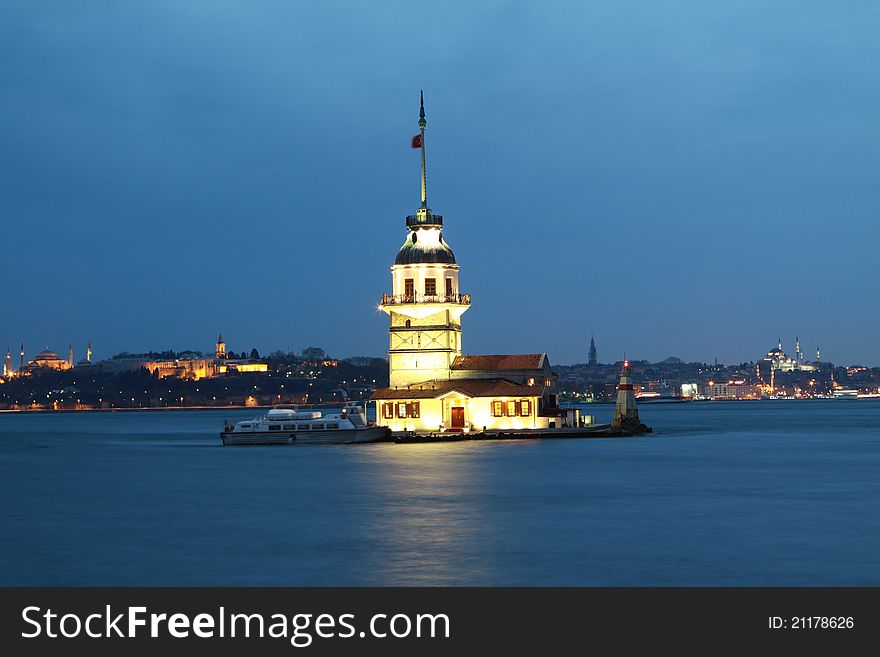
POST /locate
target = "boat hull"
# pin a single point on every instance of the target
(323, 437)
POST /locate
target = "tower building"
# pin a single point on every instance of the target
(433, 386)
(220, 351)
(89, 352)
(625, 411)
(593, 357)
(425, 305)
(21, 355)
(7, 363)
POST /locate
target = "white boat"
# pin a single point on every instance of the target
(287, 426)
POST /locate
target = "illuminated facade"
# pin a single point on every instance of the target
(48, 360)
(432, 386)
(780, 361)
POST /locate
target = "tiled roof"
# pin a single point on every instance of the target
(467, 387)
(499, 362)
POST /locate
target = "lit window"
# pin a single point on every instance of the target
(449, 287)
(409, 288)
(388, 409)
(430, 287)
(401, 409)
(531, 381)
(497, 409)
(511, 408)
(525, 407)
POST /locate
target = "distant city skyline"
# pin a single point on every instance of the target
(681, 180)
(88, 353)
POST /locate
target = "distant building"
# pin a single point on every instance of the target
(87, 361)
(48, 360)
(780, 361)
(737, 389)
(593, 356)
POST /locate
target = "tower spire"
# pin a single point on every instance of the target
(422, 124)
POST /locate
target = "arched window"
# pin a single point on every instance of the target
(407, 323)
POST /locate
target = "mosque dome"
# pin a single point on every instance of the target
(47, 355)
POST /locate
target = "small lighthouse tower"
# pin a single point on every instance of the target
(220, 348)
(625, 411)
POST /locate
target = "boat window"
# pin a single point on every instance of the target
(302, 426)
(288, 427)
(332, 425)
(245, 426)
(274, 427)
(318, 425)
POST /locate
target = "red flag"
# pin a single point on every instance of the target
(417, 141)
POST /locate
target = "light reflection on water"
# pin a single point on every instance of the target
(752, 493)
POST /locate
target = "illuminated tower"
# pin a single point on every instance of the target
(70, 354)
(594, 360)
(7, 364)
(818, 355)
(89, 352)
(625, 411)
(220, 352)
(21, 355)
(425, 306)
(797, 352)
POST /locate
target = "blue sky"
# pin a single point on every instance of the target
(677, 178)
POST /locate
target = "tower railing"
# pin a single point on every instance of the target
(399, 299)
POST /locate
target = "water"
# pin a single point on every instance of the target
(731, 493)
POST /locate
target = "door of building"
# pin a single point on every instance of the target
(457, 416)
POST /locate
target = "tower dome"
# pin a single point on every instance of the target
(424, 245)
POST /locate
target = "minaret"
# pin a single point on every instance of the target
(70, 354)
(594, 360)
(7, 364)
(797, 352)
(818, 355)
(425, 306)
(625, 411)
(220, 352)
(779, 344)
(21, 354)
(89, 352)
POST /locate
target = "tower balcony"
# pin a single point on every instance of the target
(411, 299)
(426, 218)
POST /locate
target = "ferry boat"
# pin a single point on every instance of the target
(286, 426)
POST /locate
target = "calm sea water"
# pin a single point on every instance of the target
(735, 493)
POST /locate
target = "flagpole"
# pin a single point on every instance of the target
(422, 124)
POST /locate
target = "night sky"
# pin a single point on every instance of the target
(679, 178)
